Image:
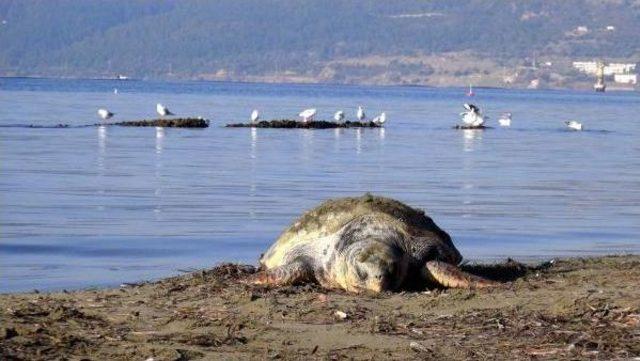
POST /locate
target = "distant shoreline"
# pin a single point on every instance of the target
(610, 88)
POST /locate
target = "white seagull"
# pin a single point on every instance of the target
(360, 114)
(104, 113)
(255, 115)
(307, 114)
(573, 125)
(338, 116)
(380, 119)
(505, 120)
(472, 117)
(162, 110)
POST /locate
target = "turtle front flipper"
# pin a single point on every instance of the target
(288, 274)
(449, 275)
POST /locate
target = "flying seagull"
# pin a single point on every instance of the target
(162, 110)
(360, 114)
(471, 107)
(380, 119)
(104, 113)
(573, 125)
(307, 114)
(338, 116)
(472, 117)
(255, 115)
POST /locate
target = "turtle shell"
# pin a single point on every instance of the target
(332, 215)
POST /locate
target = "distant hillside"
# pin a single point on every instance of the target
(435, 42)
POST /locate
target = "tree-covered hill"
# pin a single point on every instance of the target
(309, 39)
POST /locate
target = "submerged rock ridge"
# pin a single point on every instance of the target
(168, 123)
(294, 124)
(464, 127)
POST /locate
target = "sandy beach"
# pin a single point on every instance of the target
(567, 309)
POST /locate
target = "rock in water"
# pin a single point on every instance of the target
(168, 123)
(471, 127)
(294, 124)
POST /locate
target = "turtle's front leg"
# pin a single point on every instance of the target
(292, 273)
(449, 275)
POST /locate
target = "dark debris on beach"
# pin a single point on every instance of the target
(572, 309)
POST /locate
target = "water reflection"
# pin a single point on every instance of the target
(358, 141)
(307, 145)
(471, 138)
(337, 135)
(102, 138)
(160, 135)
(381, 132)
(159, 139)
(252, 177)
(102, 147)
(102, 150)
(468, 196)
(254, 142)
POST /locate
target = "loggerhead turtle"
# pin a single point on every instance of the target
(367, 243)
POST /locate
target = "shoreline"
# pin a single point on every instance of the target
(578, 88)
(573, 308)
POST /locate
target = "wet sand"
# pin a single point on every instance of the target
(571, 309)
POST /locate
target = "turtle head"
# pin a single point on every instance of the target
(433, 246)
(375, 266)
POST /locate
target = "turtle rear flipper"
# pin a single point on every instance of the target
(289, 274)
(449, 275)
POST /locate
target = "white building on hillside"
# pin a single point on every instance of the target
(591, 68)
(588, 67)
(626, 78)
(619, 68)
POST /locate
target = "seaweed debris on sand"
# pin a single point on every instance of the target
(294, 124)
(169, 123)
(569, 309)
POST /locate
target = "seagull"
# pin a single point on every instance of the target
(470, 107)
(360, 114)
(573, 125)
(104, 114)
(307, 114)
(472, 117)
(255, 115)
(380, 119)
(338, 116)
(162, 110)
(505, 120)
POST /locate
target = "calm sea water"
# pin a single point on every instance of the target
(96, 206)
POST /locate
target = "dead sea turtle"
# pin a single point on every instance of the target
(367, 243)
